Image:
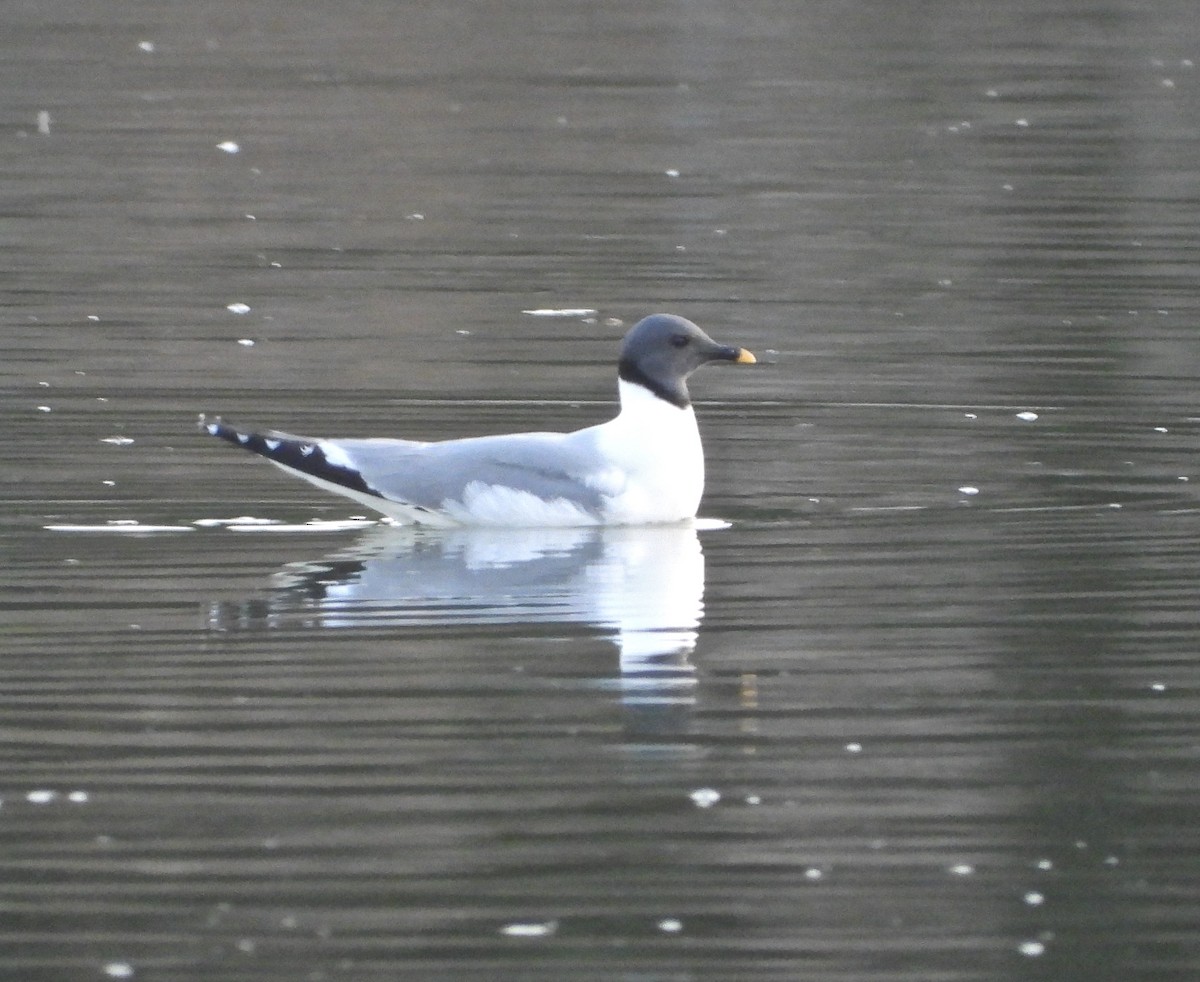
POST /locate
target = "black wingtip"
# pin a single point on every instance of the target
(215, 426)
(297, 453)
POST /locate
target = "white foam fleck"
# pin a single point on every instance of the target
(42, 796)
(229, 146)
(246, 342)
(127, 527)
(670, 925)
(146, 46)
(78, 797)
(118, 970)
(240, 520)
(238, 307)
(529, 929)
(962, 869)
(705, 797)
(118, 441)
(968, 489)
(1034, 899)
(1028, 417)
(1031, 949)
(313, 526)
(561, 312)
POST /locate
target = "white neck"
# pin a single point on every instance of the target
(639, 399)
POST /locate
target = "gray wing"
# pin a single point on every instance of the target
(548, 465)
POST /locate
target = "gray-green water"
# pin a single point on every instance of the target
(927, 709)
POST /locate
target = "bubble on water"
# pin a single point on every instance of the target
(529, 929)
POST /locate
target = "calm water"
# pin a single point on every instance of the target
(920, 703)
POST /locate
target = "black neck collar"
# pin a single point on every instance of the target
(676, 395)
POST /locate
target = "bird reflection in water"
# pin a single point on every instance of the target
(642, 587)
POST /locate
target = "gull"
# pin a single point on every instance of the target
(644, 466)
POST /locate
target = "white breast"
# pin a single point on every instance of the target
(656, 463)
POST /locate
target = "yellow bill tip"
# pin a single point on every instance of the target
(745, 357)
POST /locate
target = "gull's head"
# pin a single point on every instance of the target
(662, 350)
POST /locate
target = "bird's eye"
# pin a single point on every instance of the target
(679, 340)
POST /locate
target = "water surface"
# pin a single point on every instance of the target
(919, 703)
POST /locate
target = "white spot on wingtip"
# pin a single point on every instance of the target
(335, 456)
(273, 444)
(243, 438)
